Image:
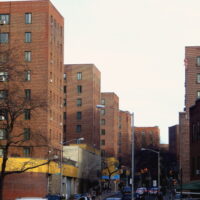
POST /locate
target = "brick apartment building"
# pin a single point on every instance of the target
(81, 96)
(174, 147)
(33, 30)
(195, 141)
(147, 137)
(109, 124)
(192, 92)
(124, 149)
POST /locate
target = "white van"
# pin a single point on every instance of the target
(31, 198)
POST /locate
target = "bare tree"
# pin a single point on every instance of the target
(15, 104)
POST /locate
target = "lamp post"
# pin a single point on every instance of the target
(158, 153)
(61, 159)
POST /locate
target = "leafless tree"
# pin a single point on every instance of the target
(14, 105)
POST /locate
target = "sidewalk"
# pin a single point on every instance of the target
(105, 195)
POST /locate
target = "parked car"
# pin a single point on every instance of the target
(126, 190)
(154, 191)
(31, 198)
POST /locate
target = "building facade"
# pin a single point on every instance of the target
(174, 147)
(31, 40)
(81, 96)
(147, 137)
(109, 124)
(195, 141)
(192, 92)
(124, 149)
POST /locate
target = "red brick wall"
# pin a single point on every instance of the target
(111, 126)
(147, 137)
(25, 185)
(46, 65)
(90, 98)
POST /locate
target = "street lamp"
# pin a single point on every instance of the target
(158, 153)
(132, 154)
(61, 159)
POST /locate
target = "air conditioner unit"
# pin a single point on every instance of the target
(61, 123)
(2, 117)
(51, 80)
(198, 171)
(2, 22)
(2, 78)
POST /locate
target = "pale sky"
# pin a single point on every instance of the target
(138, 45)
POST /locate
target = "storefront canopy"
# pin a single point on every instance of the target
(194, 185)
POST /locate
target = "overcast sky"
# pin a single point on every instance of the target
(138, 45)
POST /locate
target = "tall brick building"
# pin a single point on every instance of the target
(33, 30)
(124, 149)
(81, 96)
(109, 124)
(192, 92)
(147, 137)
(174, 147)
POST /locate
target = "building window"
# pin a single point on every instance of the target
(79, 89)
(198, 61)
(103, 121)
(1, 152)
(103, 142)
(64, 129)
(65, 89)
(64, 116)
(27, 56)
(103, 101)
(27, 151)
(103, 153)
(79, 76)
(3, 94)
(65, 76)
(198, 94)
(64, 102)
(79, 115)
(2, 134)
(79, 102)
(103, 131)
(27, 94)
(28, 18)
(3, 114)
(27, 133)
(198, 78)
(27, 114)
(27, 76)
(78, 128)
(3, 76)
(103, 111)
(28, 37)
(4, 19)
(4, 37)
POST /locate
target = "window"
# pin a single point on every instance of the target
(64, 115)
(78, 128)
(65, 76)
(28, 18)
(64, 129)
(198, 61)
(27, 114)
(103, 153)
(103, 131)
(3, 114)
(198, 94)
(4, 37)
(79, 76)
(2, 134)
(64, 102)
(3, 76)
(103, 142)
(198, 78)
(103, 111)
(79, 102)
(27, 94)
(27, 56)
(65, 89)
(103, 101)
(103, 121)
(28, 37)
(79, 115)
(27, 134)
(4, 19)
(3, 94)
(1, 152)
(27, 151)
(27, 75)
(79, 89)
